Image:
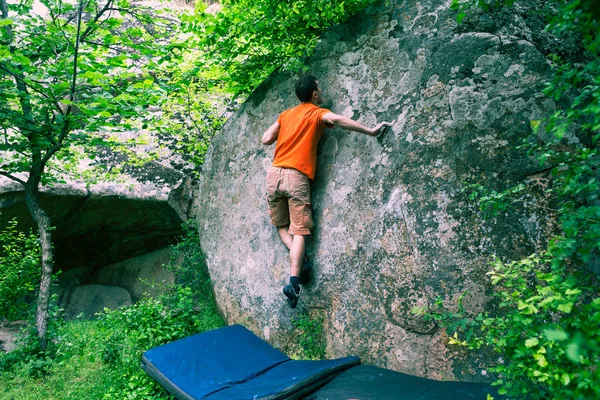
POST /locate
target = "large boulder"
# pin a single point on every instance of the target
(394, 227)
(87, 300)
(142, 276)
(101, 220)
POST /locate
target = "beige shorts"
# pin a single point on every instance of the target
(288, 194)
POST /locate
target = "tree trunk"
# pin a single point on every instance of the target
(32, 198)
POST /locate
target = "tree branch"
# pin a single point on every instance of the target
(20, 79)
(91, 26)
(12, 177)
(106, 46)
(65, 128)
(192, 118)
(64, 36)
(49, 124)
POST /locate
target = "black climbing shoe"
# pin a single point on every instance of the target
(306, 272)
(291, 294)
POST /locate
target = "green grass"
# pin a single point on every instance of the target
(75, 375)
(73, 379)
(101, 358)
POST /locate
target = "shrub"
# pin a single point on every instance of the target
(19, 271)
(124, 334)
(188, 262)
(544, 329)
(28, 358)
(101, 358)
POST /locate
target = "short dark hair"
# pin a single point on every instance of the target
(305, 86)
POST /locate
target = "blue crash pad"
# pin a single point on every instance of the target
(367, 382)
(234, 361)
(288, 378)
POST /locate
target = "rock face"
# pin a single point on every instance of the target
(94, 229)
(394, 228)
(90, 299)
(140, 276)
(109, 234)
(9, 332)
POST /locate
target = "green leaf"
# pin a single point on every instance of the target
(565, 307)
(21, 59)
(574, 352)
(531, 342)
(541, 360)
(556, 335)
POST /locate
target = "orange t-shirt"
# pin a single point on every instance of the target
(300, 129)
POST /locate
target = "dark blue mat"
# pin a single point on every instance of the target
(366, 382)
(233, 363)
(288, 379)
(196, 366)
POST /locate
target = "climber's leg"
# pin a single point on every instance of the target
(285, 236)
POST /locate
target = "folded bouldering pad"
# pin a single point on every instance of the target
(290, 380)
(366, 382)
(233, 363)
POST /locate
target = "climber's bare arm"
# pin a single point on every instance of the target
(351, 125)
(271, 134)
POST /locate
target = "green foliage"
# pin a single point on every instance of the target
(188, 262)
(311, 343)
(247, 40)
(124, 334)
(102, 357)
(492, 202)
(28, 358)
(187, 308)
(574, 168)
(71, 82)
(547, 310)
(70, 79)
(192, 111)
(19, 271)
(189, 122)
(544, 329)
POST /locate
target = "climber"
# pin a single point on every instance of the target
(297, 132)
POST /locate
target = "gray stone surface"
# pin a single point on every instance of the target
(394, 228)
(98, 228)
(90, 299)
(142, 276)
(9, 334)
(182, 200)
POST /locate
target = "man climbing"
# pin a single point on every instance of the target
(297, 132)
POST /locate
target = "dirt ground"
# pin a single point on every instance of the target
(8, 334)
